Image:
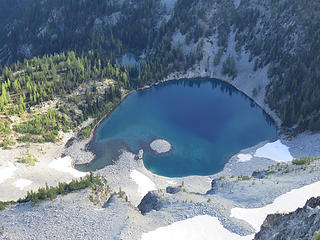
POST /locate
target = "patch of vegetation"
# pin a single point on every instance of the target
(123, 195)
(4, 128)
(317, 236)
(243, 178)
(47, 126)
(304, 160)
(104, 109)
(50, 193)
(86, 132)
(254, 92)
(28, 159)
(35, 81)
(3, 205)
(297, 164)
(62, 189)
(270, 171)
(229, 67)
(217, 57)
(6, 143)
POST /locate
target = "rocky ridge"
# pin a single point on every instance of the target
(304, 223)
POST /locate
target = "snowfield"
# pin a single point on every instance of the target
(144, 183)
(65, 165)
(202, 227)
(244, 157)
(287, 202)
(7, 172)
(22, 183)
(275, 151)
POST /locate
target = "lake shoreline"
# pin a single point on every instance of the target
(180, 77)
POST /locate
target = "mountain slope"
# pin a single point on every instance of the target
(282, 37)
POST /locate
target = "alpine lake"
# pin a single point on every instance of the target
(205, 120)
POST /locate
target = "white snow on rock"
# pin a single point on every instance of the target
(275, 151)
(7, 171)
(22, 183)
(202, 227)
(160, 146)
(287, 202)
(244, 157)
(144, 183)
(65, 165)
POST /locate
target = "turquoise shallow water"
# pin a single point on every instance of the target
(206, 121)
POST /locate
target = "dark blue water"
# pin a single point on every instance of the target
(206, 121)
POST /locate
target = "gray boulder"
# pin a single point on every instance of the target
(151, 201)
(173, 190)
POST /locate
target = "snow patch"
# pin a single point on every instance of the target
(65, 165)
(7, 172)
(22, 183)
(244, 157)
(144, 183)
(275, 151)
(287, 202)
(199, 227)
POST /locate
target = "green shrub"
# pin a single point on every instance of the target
(47, 125)
(3, 205)
(217, 57)
(25, 138)
(51, 193)
(62, 188)
(28, 159)
(243, 178)
(6, 143)
(86, 132)
(303, 160)
(229, 67)
(254, 92)
(4, 128)
(299, 161)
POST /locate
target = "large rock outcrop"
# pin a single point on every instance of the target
(101, 194)
(151, 201)
(304, 223)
